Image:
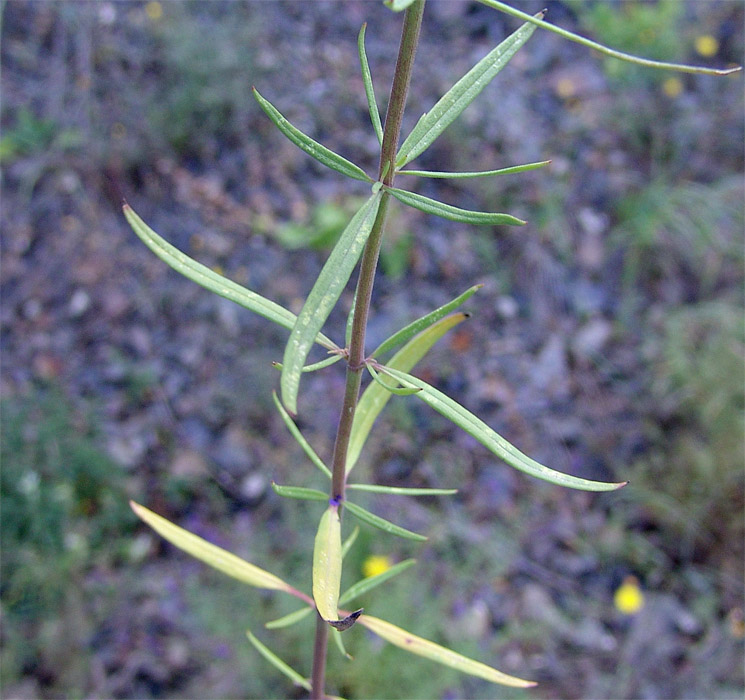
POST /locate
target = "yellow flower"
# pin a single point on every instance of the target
(628, 597)
(706, 45)
(154, 10)
(375, 564)
(672, 87)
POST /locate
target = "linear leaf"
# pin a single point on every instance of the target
(312, 148)
(447, 211)
(381, 523)
(321, 364)
(324, 295)
(347, 544)
(350, 321)
(409, 331)
(339, 643)
(447, 657)
(465, 91)
(209, 279)
(300, 492)
(275, 661)
(398, 391)
(289, 619)
(327, 564)
(210, 554)
(629, 58)
(367, 584)
(375, 397)
(480, 173)
(295, 432)
(401, 490)
(368, 83)
(494, 442)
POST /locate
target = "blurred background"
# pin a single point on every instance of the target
(607, 342)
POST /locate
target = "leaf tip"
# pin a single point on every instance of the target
(346, 622)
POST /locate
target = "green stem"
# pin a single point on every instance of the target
(356, 361)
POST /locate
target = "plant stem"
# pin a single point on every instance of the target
(355, 363)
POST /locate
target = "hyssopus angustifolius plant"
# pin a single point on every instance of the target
(358, 247)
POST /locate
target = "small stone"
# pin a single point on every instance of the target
(80, 302)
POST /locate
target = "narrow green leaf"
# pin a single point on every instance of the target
(339, 643)
(312, 148)
(375, 397)
(347, 544)
(398, 5)
(208, 279)
(447, 657)
(327, 564)
(376, 521)
(316, 365)
(280, 665)
(629, 58)
(324, 295)
(350, 322)
(290, 618)
(401, 490)
(367, 584)
(400, 337)
(367, 81)
(495, 443)
(480, 173)
(210, 554)
(446, 211)
(398, 391)
(299, 492)
(465, 91)
(295, 432)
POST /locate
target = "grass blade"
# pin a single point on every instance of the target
(367, 584)
(441, 655)
(368, 83)
(465, 91)
(494, 442)
(280, 665)
(420, 324)
(323, 297)
(289, 619)
(208, 279)
(447, 211)
(295, 432)
(629, 58)
(327, 564)
(480, 173)
(211, 554)
(401, 490)
(381, 523)
(375, 397)
(314, 149)
(299, 492)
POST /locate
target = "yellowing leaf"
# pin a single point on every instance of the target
(447, 657)
(327, 564)
(210, 554)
